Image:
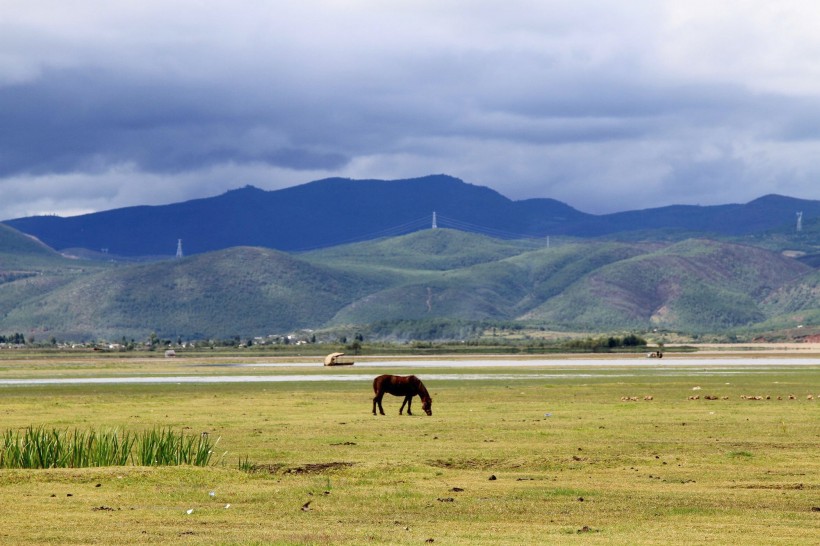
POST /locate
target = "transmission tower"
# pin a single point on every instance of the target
(179, 248)
(800, 221)
(434, 220)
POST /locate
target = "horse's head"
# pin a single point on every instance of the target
(427, 405)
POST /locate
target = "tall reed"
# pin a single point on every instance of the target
(160, 447)
(38, 447)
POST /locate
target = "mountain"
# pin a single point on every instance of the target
(335, 211)
(242, 290)
(408, 286)
(699, 286)
(16, 246)
(318, 214)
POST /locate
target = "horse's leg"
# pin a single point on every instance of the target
(409, 400)
(378, 400)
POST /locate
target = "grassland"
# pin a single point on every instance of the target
(535, 455)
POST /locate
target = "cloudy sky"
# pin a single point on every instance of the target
(605, 105)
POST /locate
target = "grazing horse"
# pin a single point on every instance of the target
(397, 385)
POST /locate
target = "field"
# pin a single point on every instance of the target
(537, 454)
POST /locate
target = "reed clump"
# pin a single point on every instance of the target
(40, 447)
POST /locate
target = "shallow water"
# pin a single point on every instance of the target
(619, 368)
(564, 362)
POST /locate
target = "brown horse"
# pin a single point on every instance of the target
(397, 385)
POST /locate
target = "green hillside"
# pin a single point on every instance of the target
(241, 291)
(29, 270)
(23, 251)
(432, 249)
(497, 290)
(693, 286)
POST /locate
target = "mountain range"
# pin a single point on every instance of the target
(336, 211)
(731, 270)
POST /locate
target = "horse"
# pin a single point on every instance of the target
(397, 385)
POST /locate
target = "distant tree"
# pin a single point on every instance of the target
(633, 341)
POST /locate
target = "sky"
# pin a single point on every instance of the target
(604, 105)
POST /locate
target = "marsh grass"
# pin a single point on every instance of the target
(39, 447)
(572, 462)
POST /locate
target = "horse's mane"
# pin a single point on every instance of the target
(422, 389)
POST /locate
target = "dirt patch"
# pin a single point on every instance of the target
(777, 486)
(466, 464)
(317, 468)
(311, 468)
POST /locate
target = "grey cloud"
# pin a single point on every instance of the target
(593, 103)
(87, 122)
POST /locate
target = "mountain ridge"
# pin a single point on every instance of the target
(334, 211)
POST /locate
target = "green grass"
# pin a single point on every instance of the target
(39, 447)
(572, 462)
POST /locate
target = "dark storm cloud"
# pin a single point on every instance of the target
(603, 105)
(88, 122)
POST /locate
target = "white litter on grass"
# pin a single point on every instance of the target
(212, 493)
(695, 388)
(190, 511)
(227, 506)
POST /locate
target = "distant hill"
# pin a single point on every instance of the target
(336, 211)
(14, 245)
(694, 286)
(242, 290)
(698, 286)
